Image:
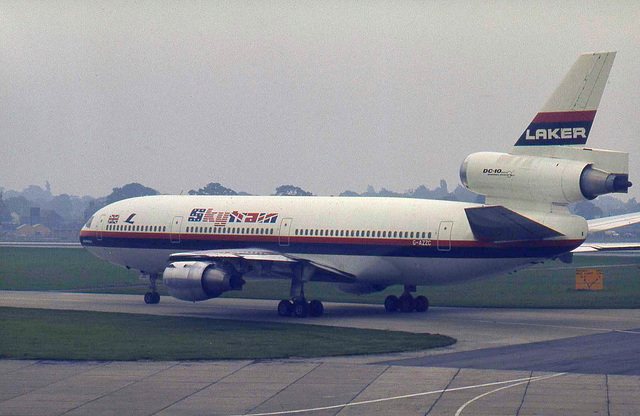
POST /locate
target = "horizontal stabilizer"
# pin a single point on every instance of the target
(616, 248)
(609, 223)
(497, 223)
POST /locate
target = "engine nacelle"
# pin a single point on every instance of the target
(359, 288)
(195, 281)
(534, 178)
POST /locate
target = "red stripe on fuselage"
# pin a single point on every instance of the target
(250, 239)
(564, 116)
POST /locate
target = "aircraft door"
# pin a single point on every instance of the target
(101, 226)
(285, 232)
(444, 235)
(176, 226)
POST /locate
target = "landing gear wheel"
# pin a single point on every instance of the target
(391, 303)
(285, 308)
(316, 308)
(151, 298)
(148, 298)
(422, 304)
(300, 308)
(407, 303)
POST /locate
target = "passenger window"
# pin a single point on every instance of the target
(411, 234)
(429, 234)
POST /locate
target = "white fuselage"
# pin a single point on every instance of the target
(378, 240)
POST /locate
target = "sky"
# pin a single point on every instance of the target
(328, 96)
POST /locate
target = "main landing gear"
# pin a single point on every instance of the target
(298, 305)
(153, 297)
(406, 302)
(300, 308)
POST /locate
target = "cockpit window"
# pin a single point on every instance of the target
(88, 224)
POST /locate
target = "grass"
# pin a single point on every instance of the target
(73, 335)
(25, 268)
(548, 286)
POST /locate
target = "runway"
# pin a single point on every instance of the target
(506, 362)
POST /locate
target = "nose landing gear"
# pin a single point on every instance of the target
(153, 297)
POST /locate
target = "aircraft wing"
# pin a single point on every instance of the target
(258, 255)
(246, 254)
(609, 223)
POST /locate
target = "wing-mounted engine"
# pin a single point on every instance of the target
(197, 280)
(582, 174)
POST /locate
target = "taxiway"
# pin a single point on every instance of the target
(506, 362)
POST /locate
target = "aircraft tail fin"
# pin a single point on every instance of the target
(567, 116)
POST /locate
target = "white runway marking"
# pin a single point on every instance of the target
(517, 382)
(585, 328)
(504, 388)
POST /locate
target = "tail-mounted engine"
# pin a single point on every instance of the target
(198, 280)
(546, 179)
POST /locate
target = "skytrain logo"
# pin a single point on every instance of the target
(222, 218)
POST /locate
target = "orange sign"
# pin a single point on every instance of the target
(589, 279)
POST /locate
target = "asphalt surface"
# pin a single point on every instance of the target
(506, 362)
(608, 353)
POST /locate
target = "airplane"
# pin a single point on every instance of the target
(203, 246)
